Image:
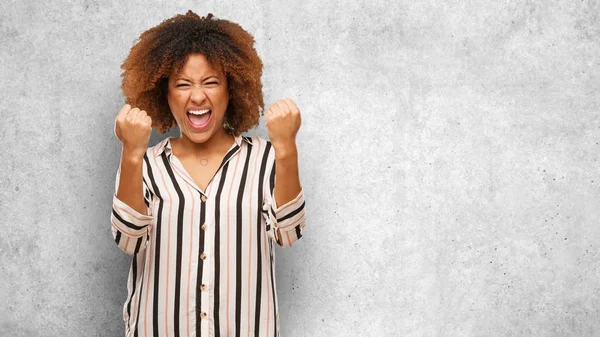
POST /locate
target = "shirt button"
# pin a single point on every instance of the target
(203, 315)
(203, 287)
(203, 227)
(203, 256)
(203, 198)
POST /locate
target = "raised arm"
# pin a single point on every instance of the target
(286, 211)
(130, 216)
(283, 122)
(132, 128)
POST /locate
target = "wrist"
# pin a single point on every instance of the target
(285, 150)
(132, 157)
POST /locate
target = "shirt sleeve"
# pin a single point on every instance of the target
(129, 227)
(285, 223)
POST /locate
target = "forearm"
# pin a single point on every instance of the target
(130, 190)
(287, 178)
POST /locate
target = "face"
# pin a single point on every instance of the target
(198, 97)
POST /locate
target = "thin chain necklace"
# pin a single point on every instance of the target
(203, 161)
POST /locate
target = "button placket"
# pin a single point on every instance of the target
(206, 298)
(204, 311)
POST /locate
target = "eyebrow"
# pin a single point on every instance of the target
(185, 79)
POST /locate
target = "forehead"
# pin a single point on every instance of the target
(197, 65)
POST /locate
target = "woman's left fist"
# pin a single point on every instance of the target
(283, 122)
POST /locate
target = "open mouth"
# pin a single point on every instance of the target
(199, 118)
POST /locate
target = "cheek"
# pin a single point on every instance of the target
(220, 96)
(176, 100)
(226, 94)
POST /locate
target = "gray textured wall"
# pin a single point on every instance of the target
(449, 154)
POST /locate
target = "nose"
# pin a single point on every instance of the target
(197, 95)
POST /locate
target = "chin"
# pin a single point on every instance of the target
(204, 136)
(198, 138)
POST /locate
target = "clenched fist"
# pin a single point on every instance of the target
(283, 122)
(133, 128)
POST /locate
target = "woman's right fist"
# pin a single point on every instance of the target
(133, 128)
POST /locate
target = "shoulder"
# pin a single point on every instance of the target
(156, 150)
(260, 148)
(257, 141)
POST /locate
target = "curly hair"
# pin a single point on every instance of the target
(164, 49)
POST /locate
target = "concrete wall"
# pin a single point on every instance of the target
(449, 155)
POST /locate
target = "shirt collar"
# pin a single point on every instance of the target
(165, 145)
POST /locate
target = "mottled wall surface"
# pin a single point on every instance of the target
(449, 156)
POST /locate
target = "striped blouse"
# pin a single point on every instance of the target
(203, 261)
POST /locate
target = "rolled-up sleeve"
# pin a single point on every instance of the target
(285, 223)
(129, 227)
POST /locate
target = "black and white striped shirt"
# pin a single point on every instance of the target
(203, 261)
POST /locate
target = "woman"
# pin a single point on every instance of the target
(200, 212)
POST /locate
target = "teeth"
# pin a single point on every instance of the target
(199, 112)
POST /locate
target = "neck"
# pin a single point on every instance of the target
(217, 144)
